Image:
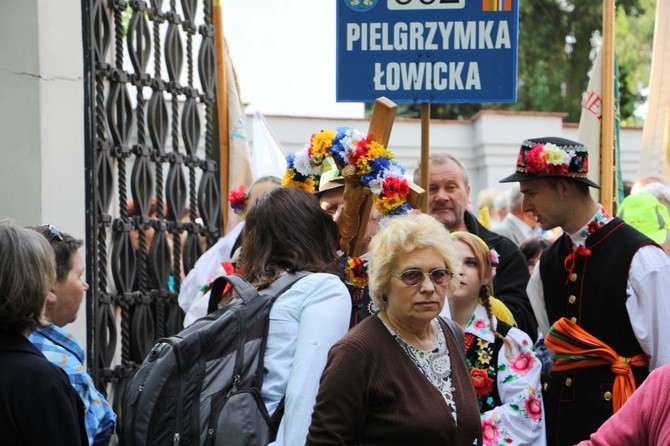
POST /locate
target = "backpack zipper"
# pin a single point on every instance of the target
(180, 393)
(195, 419)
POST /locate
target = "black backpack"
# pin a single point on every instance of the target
(202, 386)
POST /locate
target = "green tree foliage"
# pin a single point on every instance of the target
(634, 38)
(556, 49)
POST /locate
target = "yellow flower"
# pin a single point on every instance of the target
(287, 179)
(363, 165)
(387, 204)
(358, 282)
(322, 142)
(377, 150)
(484, 357)
(308, 184)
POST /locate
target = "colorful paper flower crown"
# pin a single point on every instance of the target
(354, 154)
(551, 157)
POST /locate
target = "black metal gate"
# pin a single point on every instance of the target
(152, 176)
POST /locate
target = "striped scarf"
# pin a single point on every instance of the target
(576, 348)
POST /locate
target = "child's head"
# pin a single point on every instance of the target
(474, 254)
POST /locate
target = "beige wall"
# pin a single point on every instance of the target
(20, 112)
(41, 117)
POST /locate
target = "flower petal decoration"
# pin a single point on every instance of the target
(238, 199)
(552, 157)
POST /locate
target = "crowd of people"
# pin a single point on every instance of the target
(537, 318)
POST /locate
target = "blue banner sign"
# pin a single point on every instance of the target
(427, 50)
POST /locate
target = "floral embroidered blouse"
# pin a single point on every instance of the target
(507, 384)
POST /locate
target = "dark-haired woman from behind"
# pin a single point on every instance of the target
(531, 249)
(286, 232)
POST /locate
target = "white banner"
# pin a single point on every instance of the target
(655, 144)
(590, 120)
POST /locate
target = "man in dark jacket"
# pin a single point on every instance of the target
(448, 198)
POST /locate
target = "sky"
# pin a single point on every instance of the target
(284, 55)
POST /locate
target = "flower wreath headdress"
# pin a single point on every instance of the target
(352, 151)
(366, 159)
(552, 157)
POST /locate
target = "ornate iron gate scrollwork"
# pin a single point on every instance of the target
(152, 182)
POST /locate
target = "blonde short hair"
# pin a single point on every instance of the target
(400, 236)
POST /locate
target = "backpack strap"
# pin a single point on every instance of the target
(283, 283)
(246, 291)
(243, 289)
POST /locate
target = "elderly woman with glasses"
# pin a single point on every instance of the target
(400, 377)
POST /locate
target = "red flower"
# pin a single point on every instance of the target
(535, 160)
(479, 324)
(238, 199)
(490, 432)
(481, 380)
(237, 194)
(522, 362)
(557, 169)
(362, 149)
(395, 185)
(585, 163)
(533, 407)
(357, 267)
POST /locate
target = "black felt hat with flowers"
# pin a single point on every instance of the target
(552, 157)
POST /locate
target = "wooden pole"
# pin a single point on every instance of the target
(607, 122)
(425, 151)
(222, 105)
(381, 124)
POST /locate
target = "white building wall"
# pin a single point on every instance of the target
(42, 117)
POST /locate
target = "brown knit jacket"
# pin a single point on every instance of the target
(372, 393)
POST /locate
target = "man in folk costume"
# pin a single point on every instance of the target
(599, 293)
